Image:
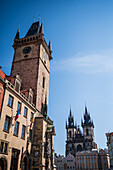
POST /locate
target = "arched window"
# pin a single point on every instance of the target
(70, 134)
(87, 132)
(79, 148)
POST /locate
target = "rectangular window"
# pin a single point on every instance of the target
(7, 124)
(23, 132)
(43, 85)
(25, 112)
(19, 107)
(5, 148)
(31, 116)
(16, 128)
(1, 147)
(10, 101)
(30, 135)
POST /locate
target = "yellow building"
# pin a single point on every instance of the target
(15, 136)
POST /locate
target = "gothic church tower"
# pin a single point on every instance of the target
(31, 61)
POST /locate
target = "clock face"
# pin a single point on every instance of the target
(26, 50)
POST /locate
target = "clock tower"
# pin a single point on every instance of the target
(31, 61)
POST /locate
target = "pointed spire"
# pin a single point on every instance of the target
(70, 112)
(66, 124)
(41, 29)
(86, 110)
(17, 34)
(49, 45)
(81, 122)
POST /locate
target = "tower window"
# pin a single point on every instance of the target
(43, 84)
(87, 132)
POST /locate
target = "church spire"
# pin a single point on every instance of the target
(70, 112)
(17, 34)
(50, 45)
(41, 29)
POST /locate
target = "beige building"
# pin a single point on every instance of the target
(15, 136)
(87, 160)
(92, 160)
(65, 163)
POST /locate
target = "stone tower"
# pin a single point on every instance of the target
(78, 140)
(31, 61)
(88, 130)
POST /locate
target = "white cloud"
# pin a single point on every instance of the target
(101, 62)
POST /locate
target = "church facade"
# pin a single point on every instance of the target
(78, 140)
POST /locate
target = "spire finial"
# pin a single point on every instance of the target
(39, 18)
(70, 111)
(33, 19)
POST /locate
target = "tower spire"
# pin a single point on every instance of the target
(50, 45)
(41, 29)
(70, 112)
(17, 34)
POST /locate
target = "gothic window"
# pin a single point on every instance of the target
(7, 124)
(70, 134)
(79, 148)
(10, 101)
(87, 132)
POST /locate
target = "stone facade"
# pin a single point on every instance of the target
(76, 140)
(33, 65)
(15, 146)
(65, 163)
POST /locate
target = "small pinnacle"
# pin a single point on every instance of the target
(39, 18)
(33, 19)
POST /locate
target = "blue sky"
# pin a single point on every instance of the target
(81, 32)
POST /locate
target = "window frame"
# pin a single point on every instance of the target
(19, 107)
(7, 130)
(23, 127)
(25, 108)
(43, 82)
(17, 128)
(9, 99)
